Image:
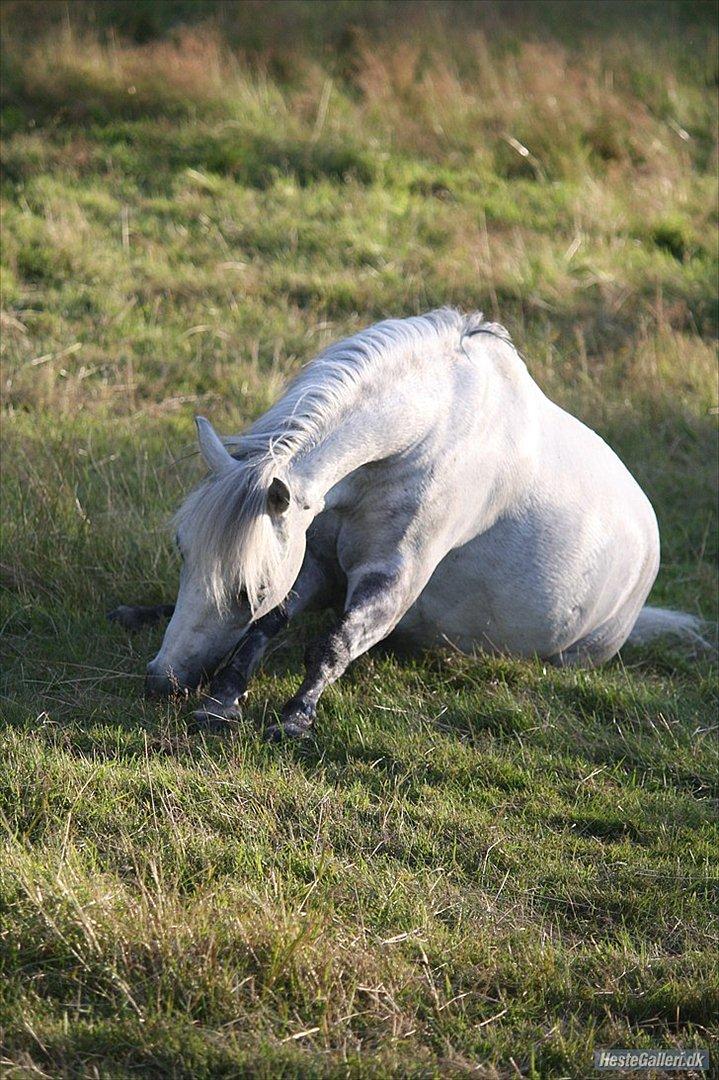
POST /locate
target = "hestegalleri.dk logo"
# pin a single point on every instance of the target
(651, 1059)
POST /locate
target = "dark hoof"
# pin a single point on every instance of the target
(135, 616)
(126, 617)
(288, 730)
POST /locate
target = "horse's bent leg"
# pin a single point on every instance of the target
(374, 606)
(601, 644)
(229, 685)
(133, 618)
(228, 688)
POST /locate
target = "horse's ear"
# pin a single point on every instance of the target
(213, 450)
(278, 496)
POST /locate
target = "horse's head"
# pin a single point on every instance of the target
(241, 536)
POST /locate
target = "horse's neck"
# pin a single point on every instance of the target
(371, 429)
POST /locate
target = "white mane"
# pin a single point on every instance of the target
(225, 519)
(306, 409)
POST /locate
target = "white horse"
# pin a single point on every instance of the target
(415, 478)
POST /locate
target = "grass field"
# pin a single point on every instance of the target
(480, 866)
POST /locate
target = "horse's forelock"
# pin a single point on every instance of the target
(232, 542)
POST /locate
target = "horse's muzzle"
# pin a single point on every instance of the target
(161, 684)
(158, 685)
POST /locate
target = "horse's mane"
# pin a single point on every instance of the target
(226, 517)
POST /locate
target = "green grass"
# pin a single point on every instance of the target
(481, 865)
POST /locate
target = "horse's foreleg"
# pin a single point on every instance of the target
(133, 618)
(374, 607)
(228, 689)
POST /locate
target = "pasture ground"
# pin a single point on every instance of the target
(480, 866)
